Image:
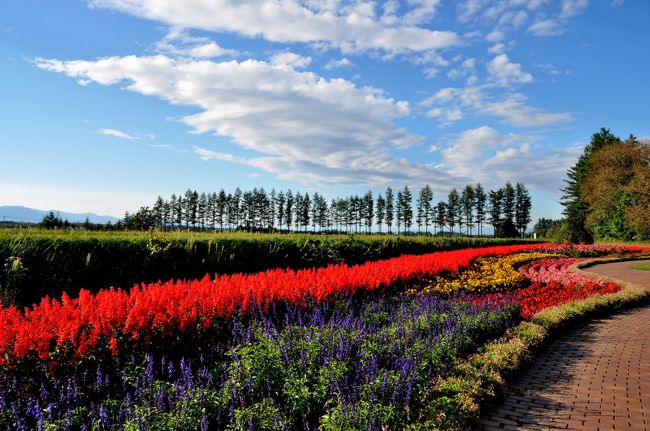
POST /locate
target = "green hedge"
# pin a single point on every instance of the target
(36, 263)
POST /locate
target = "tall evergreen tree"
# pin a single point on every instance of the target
(389, 209)
(288, 212)
(178, 211)
(222, 208)
(236, 206)
(297, 203)
(406, 204)
(157, 212)
(496, 198)
(522, 208)
(381, 210)
(368, 210)
(575, 208)
(280, 205)
(202, 210)
(468, 202)
(399, 210)
(480, 201)
(270, 215)
(441, 216)
(305, 204)
(423, 208)
(453, 209)
(508, 203)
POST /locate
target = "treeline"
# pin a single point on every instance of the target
(608, 191)
(53, 221)
(506, 209)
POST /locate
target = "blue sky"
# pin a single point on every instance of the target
(107, 104)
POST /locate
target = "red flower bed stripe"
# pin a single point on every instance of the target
(167, 308)
(539, 296)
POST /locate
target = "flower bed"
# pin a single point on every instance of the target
(345, 365)
(544, 280)
(486, 275)
(78, 326)
(456, 401)
(594, 250)
(557, 270)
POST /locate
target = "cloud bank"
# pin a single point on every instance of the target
(296, 124)
(350, 27)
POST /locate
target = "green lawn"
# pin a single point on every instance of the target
(643, 265)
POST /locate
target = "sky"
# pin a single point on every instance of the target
(107, 104)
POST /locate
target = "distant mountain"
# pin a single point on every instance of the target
(31, 215)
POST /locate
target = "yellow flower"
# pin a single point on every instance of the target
(486, 275)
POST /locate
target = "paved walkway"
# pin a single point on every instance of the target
(594, 377)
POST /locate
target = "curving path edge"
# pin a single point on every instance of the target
(596, 376)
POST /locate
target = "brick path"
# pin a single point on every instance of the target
(594, 377)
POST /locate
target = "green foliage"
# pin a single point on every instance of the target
(575, 208)
(645, 266)
(36, 263)
(544, 227)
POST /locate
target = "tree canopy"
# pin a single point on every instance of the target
(608, 190)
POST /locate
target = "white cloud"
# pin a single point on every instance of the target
(514, 111)
(519, 19)
(422, 11)
(492, 158)
(116, 133)
(304, 127)
(571, 8)
(442, 96)
(446, 116)
(335, 64)
(550, 68)
(179, 42)
(540, 170)
(497, 48)
(504, 72)
(547, 27)
(290, 59)
(467, 152)
(467, 9)
(463, 154)
(350, 27)
(495, 35)
(466, 67)
(511, 108)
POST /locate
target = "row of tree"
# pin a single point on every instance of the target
(608, 190)
(507, 210)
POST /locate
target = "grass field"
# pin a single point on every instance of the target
(643, 265)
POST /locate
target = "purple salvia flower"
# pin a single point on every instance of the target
(149, 371)
(103, 415)
(186, 372)
(160, 400)
(98, 379)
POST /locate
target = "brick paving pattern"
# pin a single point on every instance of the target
(594, 377)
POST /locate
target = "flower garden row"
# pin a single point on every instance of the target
(81, 324)
(342, 347)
